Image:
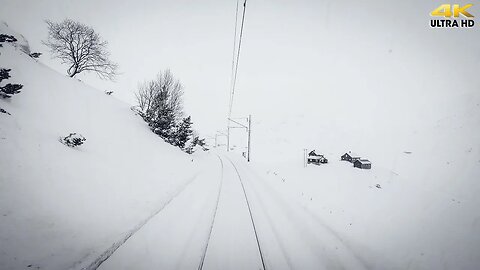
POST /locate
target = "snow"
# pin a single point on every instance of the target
(353, 155)
(175, 237)
(230, 218)
(424, 212)
(212, 210)
(62, 206)
(364, 161)
(21, 42)
(400, 225)
(126, 200)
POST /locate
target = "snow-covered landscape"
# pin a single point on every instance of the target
(93, 176)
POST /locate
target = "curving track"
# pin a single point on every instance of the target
(234, 243)
(230, 218)
(175, 237)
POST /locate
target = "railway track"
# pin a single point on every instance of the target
(250, 213)
(200, 266)
(222, 232)
(234, 199)
(115, 246)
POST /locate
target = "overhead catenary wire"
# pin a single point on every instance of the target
(233, 60)
(237, 58)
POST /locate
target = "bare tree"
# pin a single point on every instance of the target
(164, 92)
(78, 46)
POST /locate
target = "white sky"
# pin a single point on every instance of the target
(376, 56)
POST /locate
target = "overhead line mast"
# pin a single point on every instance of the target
(233, 83)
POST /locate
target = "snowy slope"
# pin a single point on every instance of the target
(59, 205)
(21, 43)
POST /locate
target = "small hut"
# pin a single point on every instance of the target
(350, 157)
(362, 164)
(314, 160)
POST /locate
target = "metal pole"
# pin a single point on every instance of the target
(304, 157)
(228, 138)
(249, 136)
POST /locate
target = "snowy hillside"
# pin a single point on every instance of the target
(60, 205)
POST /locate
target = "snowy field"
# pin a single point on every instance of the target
(424, 215)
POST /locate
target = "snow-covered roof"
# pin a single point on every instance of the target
(364, 161)
(315, 157)
(352, 154)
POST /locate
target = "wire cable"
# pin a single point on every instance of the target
(234, 83)
(233, 60)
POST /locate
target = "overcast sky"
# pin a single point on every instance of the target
(295, 54)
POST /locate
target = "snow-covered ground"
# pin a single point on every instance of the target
(126, 200)
(426, 161)
(401, 225)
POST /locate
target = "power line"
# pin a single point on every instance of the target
(233, 61)
(238, 56)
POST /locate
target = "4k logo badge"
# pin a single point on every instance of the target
(452, 13)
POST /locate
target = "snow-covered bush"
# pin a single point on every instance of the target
(73, 140)
(10, 89)
(196, 144)
(108, 93)
(3, 111)
(4, 74)
(35, 55)
(7, 38)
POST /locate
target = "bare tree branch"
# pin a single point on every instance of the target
(163, 92)
(78, 46)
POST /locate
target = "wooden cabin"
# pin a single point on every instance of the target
(314, 158)
(350, 157)
(362, 164)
